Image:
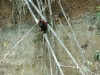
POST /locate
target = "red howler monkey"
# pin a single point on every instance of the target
(43, 25)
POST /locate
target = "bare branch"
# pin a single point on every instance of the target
(72, 31)
(16, 44)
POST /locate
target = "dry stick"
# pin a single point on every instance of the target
(77, 68)
(56, 71)
(53, 54)
(94, 27)
(51, 19)
(70, 66)
(50, 10)
(46, 6)
(68, 6)
(56, 38)
(36, 20)
(38, 4)
(50, 62)
(35, 9)
(38, 68)
(69, 39)
(72, 30)
(16, 44)
(43, 6)
(0, 32)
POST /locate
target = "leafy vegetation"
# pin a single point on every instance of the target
(97, 55)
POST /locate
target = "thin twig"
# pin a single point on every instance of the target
(36, 20)
(77, 68)
(38, 5)
(46, 6)
(70, 67)
(69, 38)
(35, 9)
(0, 32)
(53, 54)
(50, 62)
(38, 68)
(16, 44)
(57, 70)
(50, 10)
(72, 31)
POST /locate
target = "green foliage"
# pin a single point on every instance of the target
(5, 44)
(38, 37)
(98, 14)
(98, 11)
(98, 8)
(88, 63)
(97, 55)
(85, 69)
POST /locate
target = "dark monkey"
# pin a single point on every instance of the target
(43, 25)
